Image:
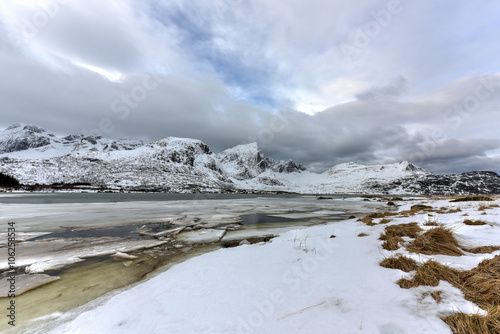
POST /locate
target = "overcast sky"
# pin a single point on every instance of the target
(319, 82)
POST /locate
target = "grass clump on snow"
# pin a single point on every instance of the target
(368, 220)
(481, 285)
(400, 262)
(438, 240)
(430, 273)
(482, 249)
(461, 323)
(393, 235)
(474, 222)
(420, 207)
(472, 199)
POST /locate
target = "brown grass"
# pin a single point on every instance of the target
(399, 262)
(420, 207)
(367, 220)
(385, 221)
(482, 249)
(376, 215)
(402, 230)
(393, 235)
(430, 223)
(461, 323)
(481, 285)
(438, 240)
(393, 243)
(474, 222)
(472, 199)
(430, 273)
(437, 296)
(363, 235)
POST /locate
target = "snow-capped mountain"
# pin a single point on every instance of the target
(37, 157)
(350, 177)
(25, 141)
(245, 162)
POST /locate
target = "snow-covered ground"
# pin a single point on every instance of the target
(304, 281)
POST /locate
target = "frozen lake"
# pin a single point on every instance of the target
(61, 235)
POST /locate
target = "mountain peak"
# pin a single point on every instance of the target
(250, 148)
(26, 127)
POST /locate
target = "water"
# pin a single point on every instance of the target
(118, 231)
(55, 198)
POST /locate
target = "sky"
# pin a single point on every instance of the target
(318, 82)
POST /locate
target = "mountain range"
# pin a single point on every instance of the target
(38, 158)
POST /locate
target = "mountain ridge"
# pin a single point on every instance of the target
(38, 157)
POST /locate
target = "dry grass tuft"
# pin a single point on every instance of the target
(393, 235)
(474, 222)
(420, 207)
(363, 235)
(430, 273)
(402, 230)
(393, 243)
(400, 262)
(367, 220)
(385, 221)
(472, 199)
(431, 223)
(461, 323)
(438, 240)
(437, 296)
(482, 249)
(376, 215)
(481, 285)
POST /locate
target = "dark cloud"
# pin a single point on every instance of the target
(233, 72)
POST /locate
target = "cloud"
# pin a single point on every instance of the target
(232, 71)
(390, 91)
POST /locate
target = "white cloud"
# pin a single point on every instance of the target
(228, 69)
